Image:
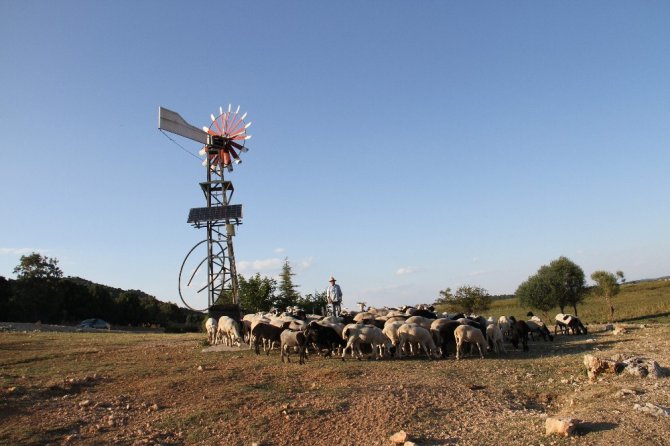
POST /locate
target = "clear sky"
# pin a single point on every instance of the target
(403, 147)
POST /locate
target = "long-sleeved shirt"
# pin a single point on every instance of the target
(333, 293)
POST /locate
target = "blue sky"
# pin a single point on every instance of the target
(403, 147)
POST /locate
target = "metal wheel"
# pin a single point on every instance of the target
(191, 289)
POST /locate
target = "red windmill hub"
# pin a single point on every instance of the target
(228, 134)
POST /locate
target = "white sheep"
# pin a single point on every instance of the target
(495, 338)
(421, 321)
(355, 334)
(293, 339)
(417, 334)
(504, 323)
(364, 316)
(391, 331)
(467, 333)
(211, 326)
(228, 332)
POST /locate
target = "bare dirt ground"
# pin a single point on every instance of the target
(90, 388)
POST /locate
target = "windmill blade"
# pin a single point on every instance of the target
(216, 123)
(172, 122)
(226, 158)
(235, 156)
(239, 147)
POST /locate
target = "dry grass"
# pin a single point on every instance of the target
(111, 388)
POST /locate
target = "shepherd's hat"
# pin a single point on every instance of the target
(332, 279)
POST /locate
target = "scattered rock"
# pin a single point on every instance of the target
(84, 403)
(154, 407)
(609, 327)
(200, 368)
(624, 392)
(642, 368)
(653, 409)
(560, 426)
(596, 366)
(620, 330)
(399, 437)
(409, 443)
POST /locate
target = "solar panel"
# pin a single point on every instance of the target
(197, 215)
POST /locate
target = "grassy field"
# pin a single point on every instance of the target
(637, 303)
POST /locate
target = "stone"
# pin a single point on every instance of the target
(620, 331)
(609, 327)
(560, 426)
(596, 366)
(623, 392)
(653, 409)
(399, 437)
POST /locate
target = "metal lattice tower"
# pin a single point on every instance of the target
(223, 140)
(219, 217)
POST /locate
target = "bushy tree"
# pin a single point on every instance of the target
(536, 293)
(567, 283)
(6, 299)
(559, 284)
(36, 266)
(466, 299)
(313, 302)
(256, 293)
(607, 286)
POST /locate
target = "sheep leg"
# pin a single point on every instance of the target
(349, 345)
(459, 344)
(358, 349)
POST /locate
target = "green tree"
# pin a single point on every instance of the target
(536, 293)
(130, 307)
(567, 283)
(256, 293)
(559, 284)
(313, 302)
(6, 300)
(287, 295)
(467, 299)
(607, 286)
(36, 266)
(620, 276)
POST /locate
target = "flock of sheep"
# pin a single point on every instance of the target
(383, 332)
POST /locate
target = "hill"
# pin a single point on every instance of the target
(638, 301)
(72, 299)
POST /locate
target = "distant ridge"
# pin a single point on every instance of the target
(649, 280)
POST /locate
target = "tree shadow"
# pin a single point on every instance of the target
(643, 317)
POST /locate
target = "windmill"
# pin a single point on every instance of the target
(223, 142)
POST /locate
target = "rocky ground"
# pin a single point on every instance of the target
(65, 387)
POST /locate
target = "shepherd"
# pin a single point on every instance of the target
(334, 296)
